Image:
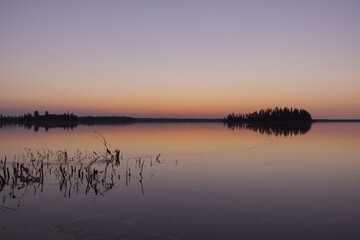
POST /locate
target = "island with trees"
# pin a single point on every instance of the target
(278, 121)
(271, 115)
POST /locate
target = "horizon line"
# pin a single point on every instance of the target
(189, 118)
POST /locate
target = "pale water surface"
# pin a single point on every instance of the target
(209, 182)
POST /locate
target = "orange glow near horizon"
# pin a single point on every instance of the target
(196, 103)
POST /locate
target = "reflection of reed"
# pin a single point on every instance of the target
(276, 129)
(83, 173)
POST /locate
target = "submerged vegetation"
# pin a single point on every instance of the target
(271, 115)
(81, 173)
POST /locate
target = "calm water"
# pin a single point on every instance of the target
(209, 182)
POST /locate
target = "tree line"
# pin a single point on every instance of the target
(36, 117)
(271, 115)
(66, 120)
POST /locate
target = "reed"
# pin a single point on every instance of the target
(84, 172)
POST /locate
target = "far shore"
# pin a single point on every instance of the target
(114, 120)
(204, 120)
(335, 120)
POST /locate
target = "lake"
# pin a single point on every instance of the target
(180, 181)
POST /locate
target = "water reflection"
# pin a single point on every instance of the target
(65, 126)
(276, 129)
(36, 127)
(215, 184)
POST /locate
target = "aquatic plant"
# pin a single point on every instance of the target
(80, 173)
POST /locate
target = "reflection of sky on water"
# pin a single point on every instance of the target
(213, 183)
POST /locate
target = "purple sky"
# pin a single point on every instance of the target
(180, 58)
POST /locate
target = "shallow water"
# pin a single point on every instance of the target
(209, 182)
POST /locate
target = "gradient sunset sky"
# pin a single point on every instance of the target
(180, 58)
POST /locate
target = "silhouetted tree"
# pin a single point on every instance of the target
(271, 115)
(36, 114)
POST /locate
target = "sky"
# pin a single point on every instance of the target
(180, 58)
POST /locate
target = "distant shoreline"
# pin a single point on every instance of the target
(169, 120)
(122, 121)
(269, 116)
(200, 120)
(114, 120)
(177, 120)
(335, 120)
